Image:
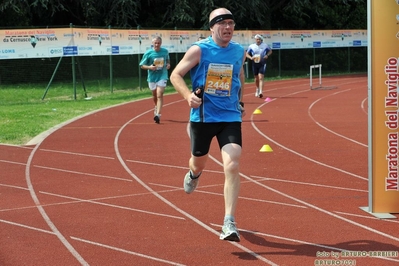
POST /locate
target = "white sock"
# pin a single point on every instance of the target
(229, 218)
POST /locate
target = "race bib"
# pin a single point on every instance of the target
(218, 79)
(159, 63)
(257, 58)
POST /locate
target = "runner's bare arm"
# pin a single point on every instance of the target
(242, 80)
(189, 60)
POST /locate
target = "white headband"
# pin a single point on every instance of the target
(258, 36)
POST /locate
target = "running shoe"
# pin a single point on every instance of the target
(230, 232)
(157, 119)
(190, 184)
(257, 92)
(260, 94)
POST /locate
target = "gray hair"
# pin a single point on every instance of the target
(157, 37)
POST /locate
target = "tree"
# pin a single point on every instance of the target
(250, 14)
(321, 14)
(22, 13)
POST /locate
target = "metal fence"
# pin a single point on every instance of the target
(110, 68)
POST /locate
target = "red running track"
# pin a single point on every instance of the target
(106, 189)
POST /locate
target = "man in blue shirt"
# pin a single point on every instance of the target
(217, 76)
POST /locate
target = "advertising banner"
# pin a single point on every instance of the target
(383, 96)
(34, 43)
(318, 39)
(40, 43)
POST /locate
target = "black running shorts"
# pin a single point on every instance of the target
(258, 69)
(201, 135)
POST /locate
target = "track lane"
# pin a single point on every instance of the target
(82, 185)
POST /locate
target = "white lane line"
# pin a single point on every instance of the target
(46, 218)
(300, 154)
(254, 176)
(82, 173)
(127, 251)
(91, 242)
(327, 129)
(364, 106)
(200, 190)
(27, 227)
(170, 204)
(12, 186)
(168, 165)
(76, 200)
(79, 154)
(96, 201)
(12, 162)
(16, 146)
(368, 217)
(308, 184)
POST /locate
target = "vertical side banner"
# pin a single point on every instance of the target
(383, 97)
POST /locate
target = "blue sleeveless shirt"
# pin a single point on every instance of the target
(218, 105)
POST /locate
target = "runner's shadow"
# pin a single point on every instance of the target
(176, 121)
(257, 121)
(299, 249)
(186, 122)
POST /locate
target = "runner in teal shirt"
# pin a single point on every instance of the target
(156, 62)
